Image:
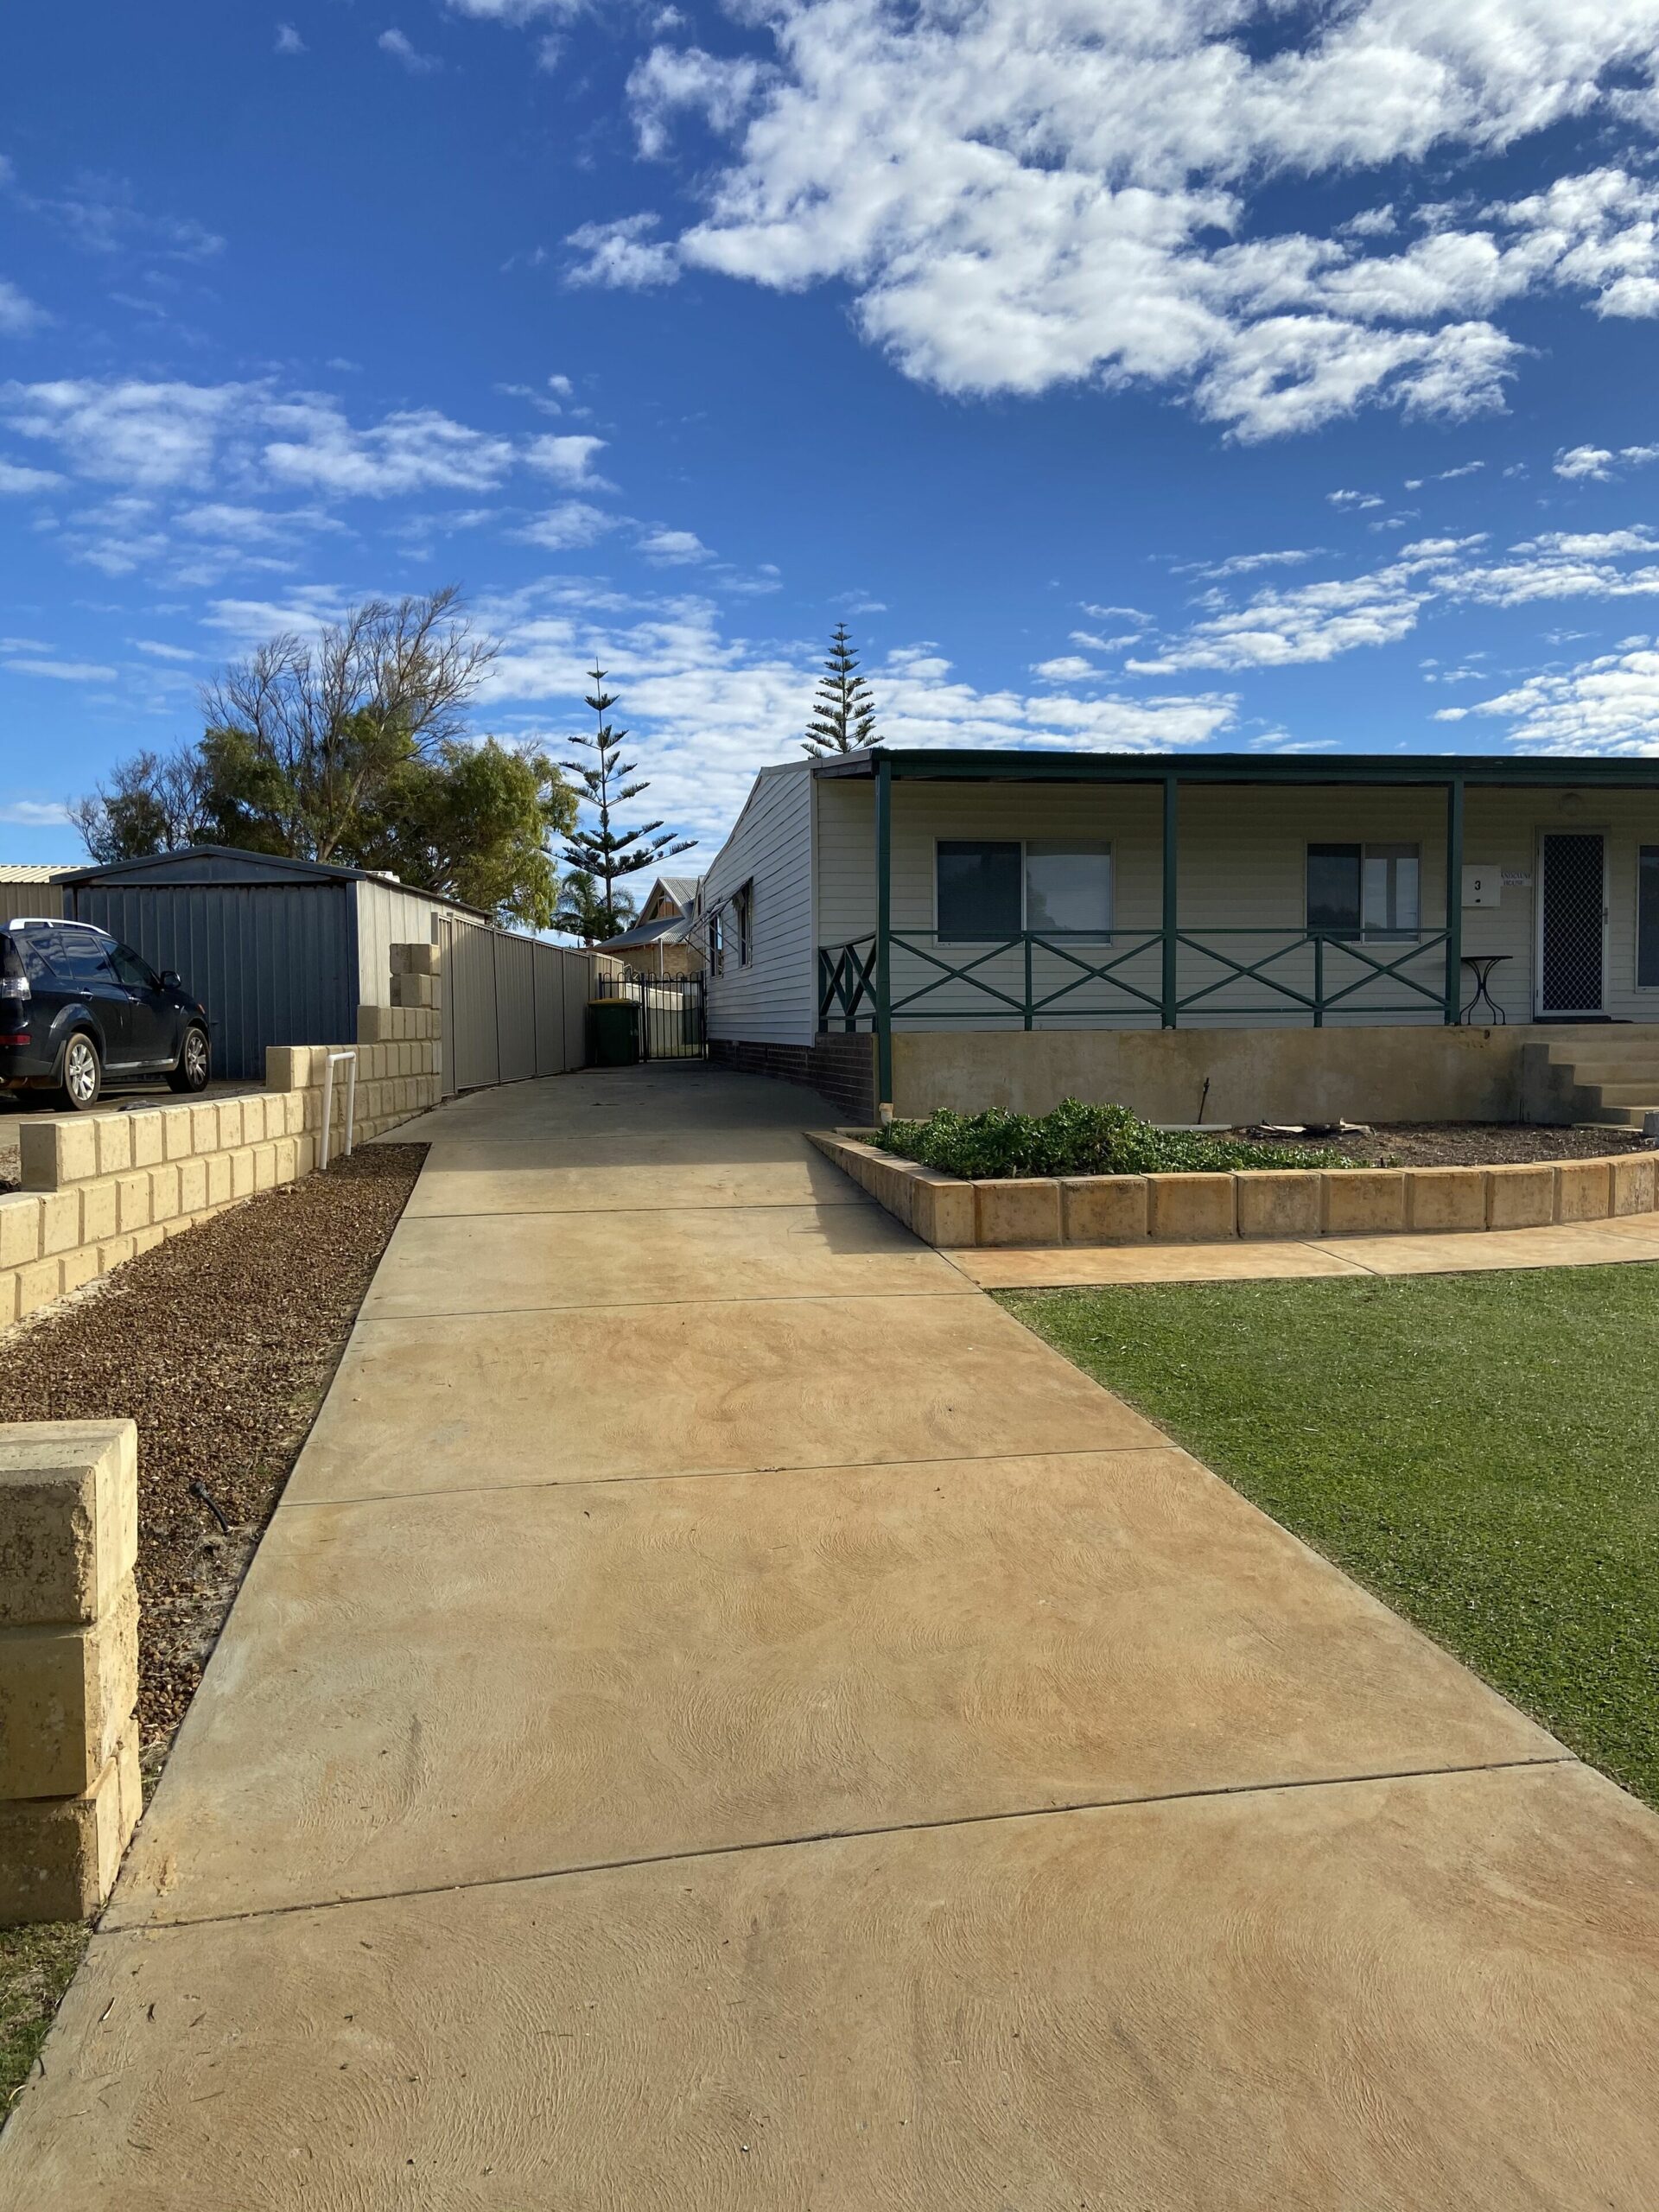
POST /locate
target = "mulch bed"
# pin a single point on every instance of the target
(220, 1344)
(1464, 1144)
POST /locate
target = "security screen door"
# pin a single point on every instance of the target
(1573, 921)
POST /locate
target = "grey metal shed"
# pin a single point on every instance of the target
(280, 951)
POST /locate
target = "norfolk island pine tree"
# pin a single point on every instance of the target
(606, 853)
(843, 708)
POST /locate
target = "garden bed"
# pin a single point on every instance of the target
(1464, 1144)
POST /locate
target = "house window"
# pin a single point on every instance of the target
(1647, 917)
(742, 922)
(1069, 889)
(717, 942)
(1363, 889)
(979, 891)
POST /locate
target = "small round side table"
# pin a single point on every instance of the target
(1482, 965)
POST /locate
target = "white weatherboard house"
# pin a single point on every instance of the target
(1203, 936)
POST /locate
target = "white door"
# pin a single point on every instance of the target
(1571, 921)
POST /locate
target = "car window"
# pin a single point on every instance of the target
(74, 957)
(29, 957)
(137, 974)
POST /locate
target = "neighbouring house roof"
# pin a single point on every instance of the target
(681, 889)
(32, 871)
(950, 764)
(669, 928)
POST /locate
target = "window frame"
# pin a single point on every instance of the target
(1022, 845)
(1644, 983)
(741, 905)
(1389, 849)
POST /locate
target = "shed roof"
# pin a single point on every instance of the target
(33, 871)
(209, 864)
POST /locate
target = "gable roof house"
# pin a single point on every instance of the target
(1203, 936)
(667, 939)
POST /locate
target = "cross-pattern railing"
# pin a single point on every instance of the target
(1047, 977)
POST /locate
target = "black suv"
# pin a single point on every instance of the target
(76, 1005)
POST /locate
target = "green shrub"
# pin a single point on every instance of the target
(1080, 1140)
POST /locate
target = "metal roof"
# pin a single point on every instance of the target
(32, 871)
(226, 864)
(947, 764)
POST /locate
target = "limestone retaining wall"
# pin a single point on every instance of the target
(100, 1188)
(943, 1210)
(69, 1783)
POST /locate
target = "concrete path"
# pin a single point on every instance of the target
(723, 1718)
(1575, 1244)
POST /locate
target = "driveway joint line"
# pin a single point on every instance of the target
(805, 1841)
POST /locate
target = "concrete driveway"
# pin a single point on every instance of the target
(724, 1718)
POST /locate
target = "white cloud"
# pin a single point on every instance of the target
(16, 478)
(568, 460)
(289, 40)
(1244, 564)
(34, 814)
(413, 450)
(18, 313)
(1359, 499)
(623, 254)
(1026, 192)
(705, 709)
(65, 672)
(674, 549)
(400, 49)
(1598, 464)
(1610, 705)
(1069, 668)
(124, 430)
(572, 523)
(159, 652)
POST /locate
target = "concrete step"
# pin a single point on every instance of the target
(1625, 1118)
(1628, 1094)
(1589, 1073)
(1607, 1045)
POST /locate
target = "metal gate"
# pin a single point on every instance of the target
(673, 1024)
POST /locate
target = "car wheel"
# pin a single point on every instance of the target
(195, 1062)
(81, 1075)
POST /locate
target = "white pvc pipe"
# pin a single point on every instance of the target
(333, 1058)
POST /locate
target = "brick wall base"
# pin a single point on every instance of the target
(841, 1069)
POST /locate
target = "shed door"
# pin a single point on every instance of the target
(1571, 921)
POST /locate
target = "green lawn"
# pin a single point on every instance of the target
(1482, 1451)
(36, 1966)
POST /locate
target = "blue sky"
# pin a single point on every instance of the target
(1132, 374)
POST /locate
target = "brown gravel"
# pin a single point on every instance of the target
(1465, 1144)
(220, 1344)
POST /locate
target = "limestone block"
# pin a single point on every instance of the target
(38, 1286)
(176, 1131)
(97, 1209)
(68, 1519)
(148, 1144)
(1364, 1201)
(204, 1127)
(288, 1067)
(163, 1192)
(1017, 1210)
(287, 1163)
(306, 1153)
(132, 1200)
(114, 1143)
(411, 990)
(59, 1856)
(1583, 1190)
(79, 1267)
(1279, 1202)
(242, 1172)
(66, 1696)
(55, 1151)
(20, 1228)
(193, 1185)
(1445, 1198)
(293, 1114)
(59, 1221)
(1102, 1209)
(114, 1253)
(8, 1297)
(374, 1024)
(941, 1208)
(146, 1239)
(264, 1167)
(218, 1177)
(1189, 1209)
(1633, 1182)
(413, 959)
(230, 1124)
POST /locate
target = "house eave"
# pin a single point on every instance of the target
(1424, 769)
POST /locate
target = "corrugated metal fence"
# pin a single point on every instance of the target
(274, 963)
(513, 1007)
